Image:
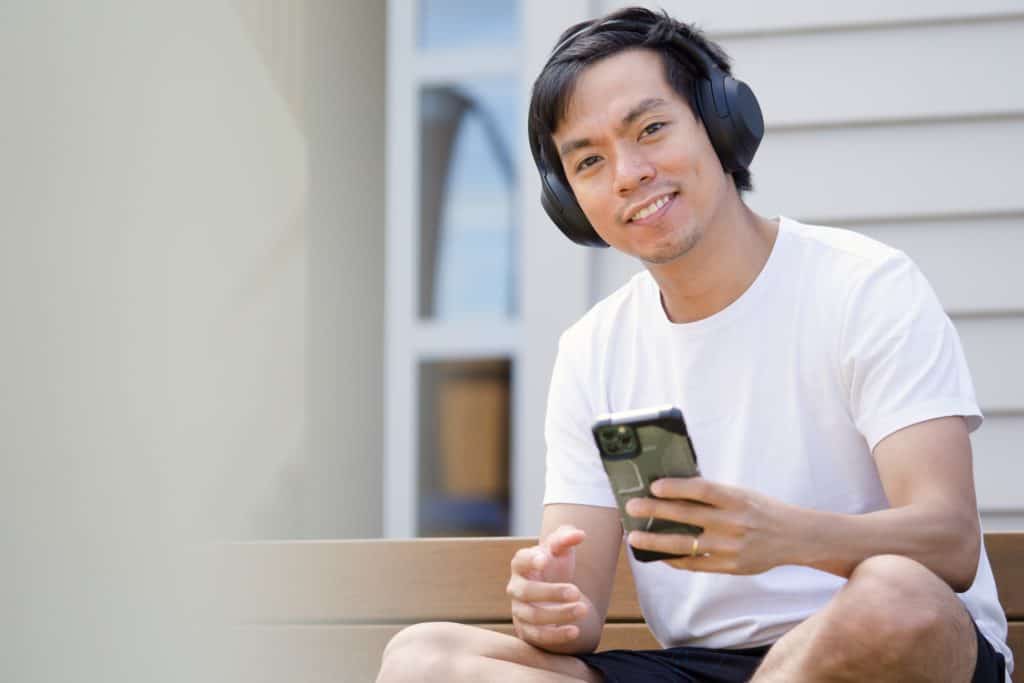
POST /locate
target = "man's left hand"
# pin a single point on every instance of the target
(745, 532)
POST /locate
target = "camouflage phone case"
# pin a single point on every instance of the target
(638, 448)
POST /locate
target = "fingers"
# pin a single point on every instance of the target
(683, 511)
(673, 544)
(546, 613)
(523, 589)
(532, 559)
(547, 635)
(543, 614)
(696, 489)
(716, 564)
(526, 561)
(713, 554)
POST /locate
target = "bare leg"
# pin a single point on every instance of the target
(893, 621)
(455, 652)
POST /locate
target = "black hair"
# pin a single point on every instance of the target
(584, 43)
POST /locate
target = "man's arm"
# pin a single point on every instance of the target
(927, 475)
(926, 470)
(538, 619)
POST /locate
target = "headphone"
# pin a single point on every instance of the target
(726, 106)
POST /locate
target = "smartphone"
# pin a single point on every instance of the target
(638, 447)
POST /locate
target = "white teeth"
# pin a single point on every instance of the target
(650, 209)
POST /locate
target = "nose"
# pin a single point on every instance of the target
(632, 169)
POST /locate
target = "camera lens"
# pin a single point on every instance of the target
(617, 439)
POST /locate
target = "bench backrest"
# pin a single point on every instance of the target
(327, 608)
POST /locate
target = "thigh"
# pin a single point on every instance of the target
(447, 640)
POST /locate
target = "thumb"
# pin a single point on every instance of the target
(563, 539)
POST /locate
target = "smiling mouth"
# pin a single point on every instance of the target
(652, 209)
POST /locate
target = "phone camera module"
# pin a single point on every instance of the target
(617, 440)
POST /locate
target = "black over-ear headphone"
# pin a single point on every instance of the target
(727, 107)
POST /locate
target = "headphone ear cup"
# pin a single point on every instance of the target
(746, 119)
(565, 212)
(732, 118)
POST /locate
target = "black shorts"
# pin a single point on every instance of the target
(706, 665)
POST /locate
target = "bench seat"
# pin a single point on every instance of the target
(311, 611)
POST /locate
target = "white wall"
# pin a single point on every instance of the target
(901, 120)
(190, 285)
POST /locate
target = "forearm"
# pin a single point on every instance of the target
(836, 543)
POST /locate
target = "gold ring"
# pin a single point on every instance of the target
(693, 550)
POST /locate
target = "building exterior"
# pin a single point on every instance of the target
(869, 127)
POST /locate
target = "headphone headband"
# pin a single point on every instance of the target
(698, 53)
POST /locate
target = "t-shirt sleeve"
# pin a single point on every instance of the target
(574, 473)
(901, 357)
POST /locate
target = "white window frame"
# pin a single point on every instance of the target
(552, 273)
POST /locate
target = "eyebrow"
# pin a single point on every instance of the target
(636, 112)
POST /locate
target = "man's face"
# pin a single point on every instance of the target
(639, 162)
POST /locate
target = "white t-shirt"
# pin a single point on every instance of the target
(839, 342)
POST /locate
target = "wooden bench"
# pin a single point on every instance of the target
(308, 611)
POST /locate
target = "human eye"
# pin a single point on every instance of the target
(587, 163)
(652, 128)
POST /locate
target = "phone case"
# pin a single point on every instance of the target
(637, 448)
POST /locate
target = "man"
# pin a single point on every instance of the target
(824, 388)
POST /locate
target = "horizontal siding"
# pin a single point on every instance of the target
(973, 263)
(906, 72)
(993, 348)
(1002, 521)
(881, 172)
(746, 16)
(998, 465)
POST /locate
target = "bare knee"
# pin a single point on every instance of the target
(435, 635)
(421, 652)
(891, 608)
(895, 601)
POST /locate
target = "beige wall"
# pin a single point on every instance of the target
(327, 63)
(346, 267)
(191, 255)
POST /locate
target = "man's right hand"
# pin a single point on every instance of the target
(547, 607)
